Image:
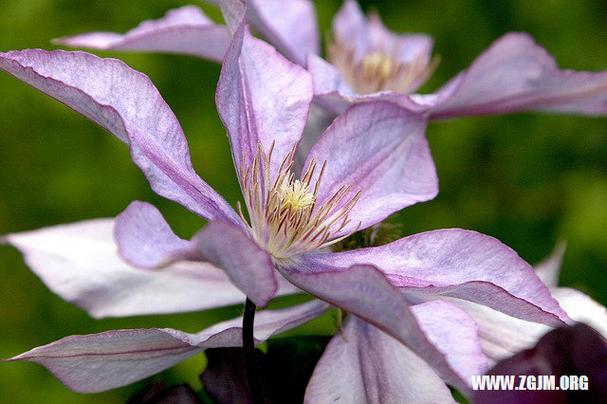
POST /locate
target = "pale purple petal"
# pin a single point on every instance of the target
(406, 47)
(318, 121)
(289, 26)
(353, 30)
(350, 27)
(458, 263)
(126, 103)
(98, 362)
(515, 74)
(145, 239)
(455, 334)
(262, 99)
(362, 364)
(80, 263)
(326, 78)
(336, 103)
(333, 93)
(233, 12)
(185, 30)
(365, 292)
(387, 159)
(501, 335)
(549, 269)
(249, 266)
(580, 307)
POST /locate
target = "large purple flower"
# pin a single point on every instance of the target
(368, 61)
(349, 181)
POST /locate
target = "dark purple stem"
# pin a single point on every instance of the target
(248, 345)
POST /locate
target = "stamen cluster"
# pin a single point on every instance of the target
(284, 213)
(378, 70)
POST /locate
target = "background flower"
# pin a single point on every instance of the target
(527, 179)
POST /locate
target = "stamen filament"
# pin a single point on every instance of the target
(285, 214)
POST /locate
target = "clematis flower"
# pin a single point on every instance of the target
(366, 61)
(349, 181)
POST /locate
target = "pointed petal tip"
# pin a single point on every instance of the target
(549, 268)
(463, 264)
(157, 142)
(106, 286)
(145, 240)
(179, 31)
(99, 362)
(294, 31)
(516, 74)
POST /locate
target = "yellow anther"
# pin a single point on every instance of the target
(380, 69)
(377, 65)
(296, 195)
(284, 214)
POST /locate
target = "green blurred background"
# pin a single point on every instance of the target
(527, 179)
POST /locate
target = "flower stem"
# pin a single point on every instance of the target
(248, 345)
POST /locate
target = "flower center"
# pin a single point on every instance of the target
(295, 195)
(377, 66)
(379, 70)
(284, 213)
